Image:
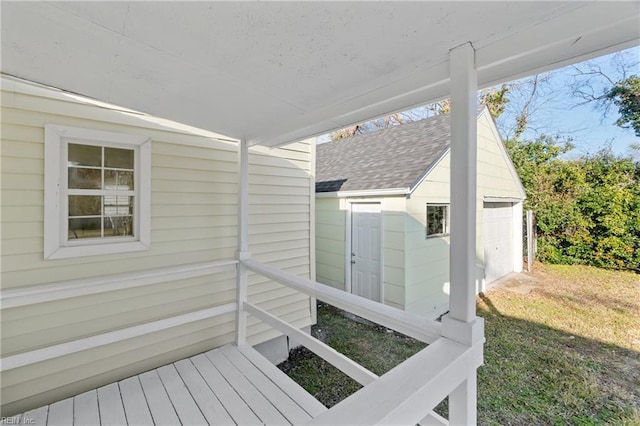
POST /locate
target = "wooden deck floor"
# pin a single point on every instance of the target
(228, 385)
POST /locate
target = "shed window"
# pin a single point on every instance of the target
(437, 220)
(97, 192)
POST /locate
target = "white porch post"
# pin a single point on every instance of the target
(461, 324)
(462, 272)
(243, 240)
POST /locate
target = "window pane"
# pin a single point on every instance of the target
(118, 158)
(85, 205)
(84, 178)
(84, 228)
(436, 220)
(118, 205)
(84, 155)
(118, 226)
(116, 179)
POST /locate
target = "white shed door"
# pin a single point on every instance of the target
(497, 233)
(365, 250)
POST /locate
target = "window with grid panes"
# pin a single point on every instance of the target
(102, 192)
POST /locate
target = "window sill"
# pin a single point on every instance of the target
(436, 236)
(97, 249)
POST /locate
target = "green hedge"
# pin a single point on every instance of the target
(587, 209)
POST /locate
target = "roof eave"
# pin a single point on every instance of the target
(365, 193)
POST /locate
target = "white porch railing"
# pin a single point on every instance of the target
(405, 395)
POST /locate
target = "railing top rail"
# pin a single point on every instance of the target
(412, 325)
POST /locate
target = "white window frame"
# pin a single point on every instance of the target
(56, 242)
(447, 220)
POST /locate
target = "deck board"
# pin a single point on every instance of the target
(111, 408)
(37, 417)
(160, 405)
(134, 401)
(61, 413)
(225, 386)
(183, 402)
(207, 401)
(235, 405)
(287, 407)
(258, 403)
(85, 409)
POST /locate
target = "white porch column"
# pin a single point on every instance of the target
(243, 240)
(462, 262)
(461, 324)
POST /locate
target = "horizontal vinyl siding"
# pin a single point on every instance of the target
(330, 242)
(427, 259)
(193, 219)
(280, 194)
(394, 252)
(495, 178)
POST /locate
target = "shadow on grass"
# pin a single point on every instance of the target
(533, 374)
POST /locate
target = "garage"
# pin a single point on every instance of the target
(498, 236)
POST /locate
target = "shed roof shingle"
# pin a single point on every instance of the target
(396, 157)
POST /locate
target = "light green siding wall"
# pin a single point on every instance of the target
(427, 259)
(193, 219)
(330, 242)
(393, 242)
(331, 234)
(495, 178)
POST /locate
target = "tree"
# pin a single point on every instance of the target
(495, 99)
(625, 94)
(609, 84)
(380, 123)
(587, 209)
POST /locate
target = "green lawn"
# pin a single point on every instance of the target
(568, 352)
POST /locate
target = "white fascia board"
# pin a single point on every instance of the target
(433, 165)
(364, 193)
(490, 199)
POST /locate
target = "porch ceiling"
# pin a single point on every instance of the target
(275, 72)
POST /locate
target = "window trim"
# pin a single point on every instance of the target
(55, 192)
(447, 222)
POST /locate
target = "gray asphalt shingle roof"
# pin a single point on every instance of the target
(396, 157)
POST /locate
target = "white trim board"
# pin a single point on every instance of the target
(67, 348)
(14, 297)
(489, 199)
(364, 193)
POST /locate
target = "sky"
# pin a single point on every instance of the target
(556, 111)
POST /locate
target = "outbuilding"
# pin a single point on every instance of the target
(382, 213)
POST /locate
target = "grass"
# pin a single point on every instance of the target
(568, 352)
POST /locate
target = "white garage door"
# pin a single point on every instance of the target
(497, 233)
